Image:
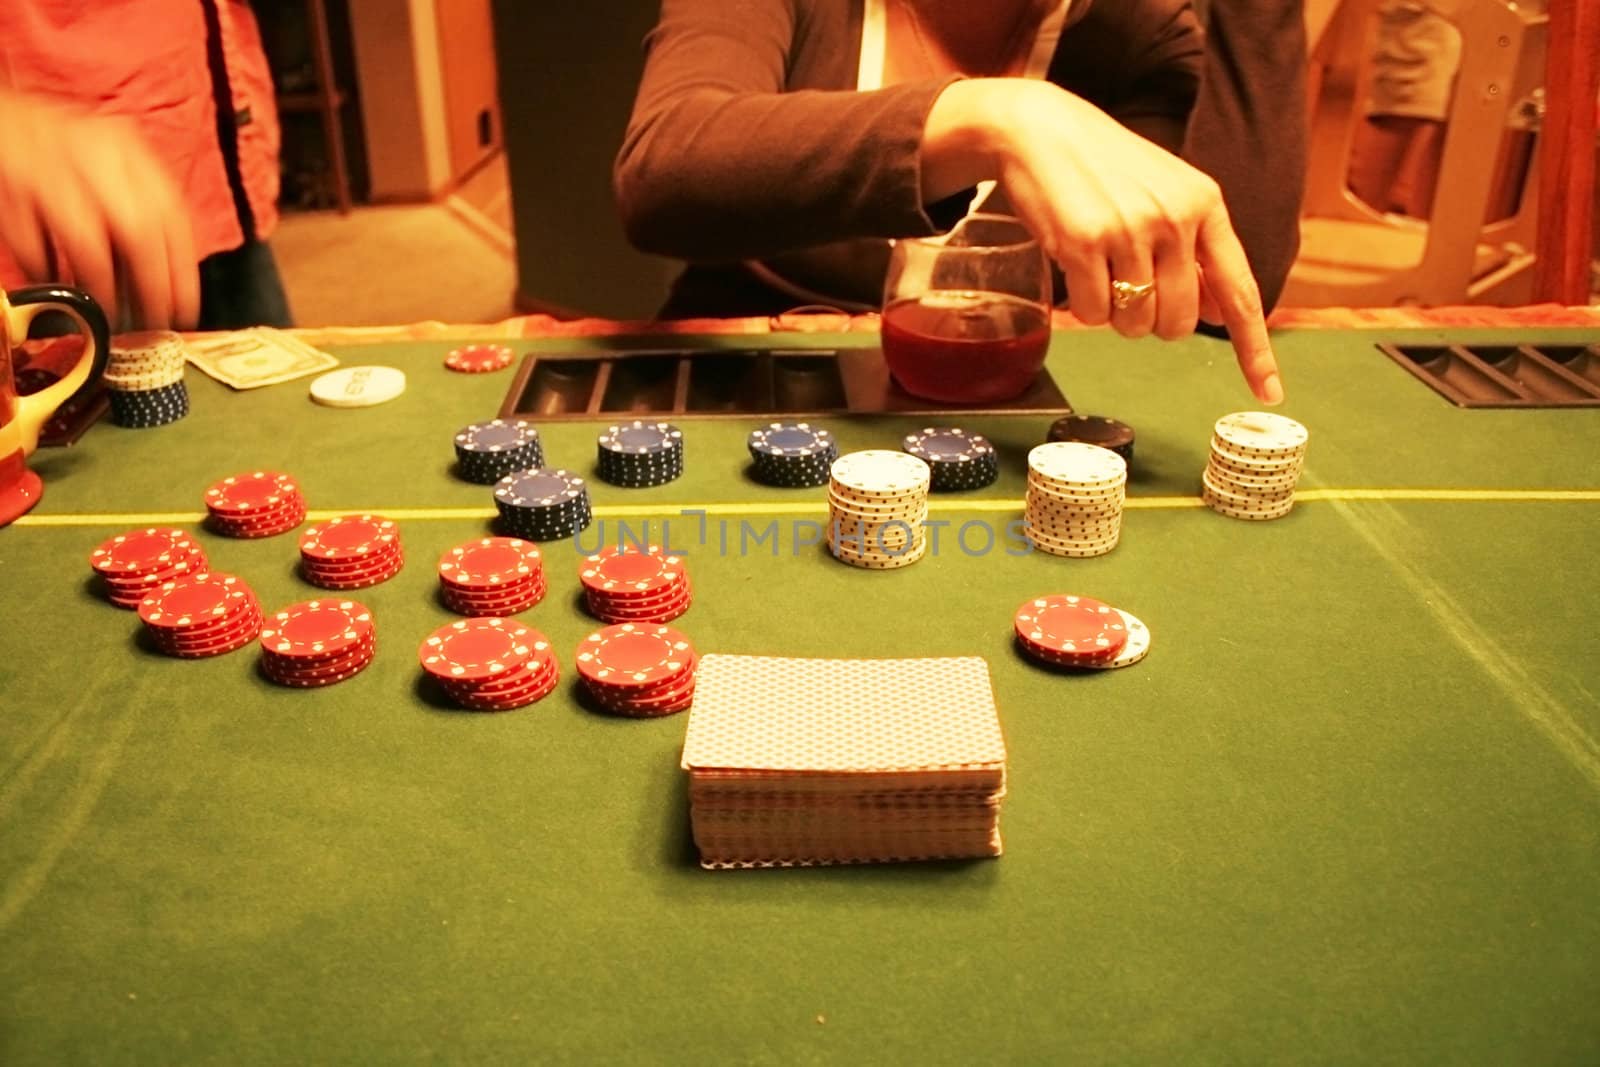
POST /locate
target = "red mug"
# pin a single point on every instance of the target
(22, 417)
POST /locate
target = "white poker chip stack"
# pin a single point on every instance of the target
(144, 379)
(806, 762)
(1075, 497)
(1256, 459)
(878, 509)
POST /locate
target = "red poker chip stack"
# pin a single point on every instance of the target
(255, 504)
(198, 615)
(640, 671)
(317, 642)
(479, 359)
(351, 552)
(135, 563)
(639, 585)
(490, 664)
(1065, 630)
(492, 576)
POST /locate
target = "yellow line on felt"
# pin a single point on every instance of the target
(640, 511)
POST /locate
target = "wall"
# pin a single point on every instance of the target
(402, 93)
(567, 78)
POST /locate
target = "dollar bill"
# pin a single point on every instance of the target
(249, 359)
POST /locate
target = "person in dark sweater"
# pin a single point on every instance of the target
(778, 145)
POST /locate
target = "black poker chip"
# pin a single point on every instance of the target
(1095, 430)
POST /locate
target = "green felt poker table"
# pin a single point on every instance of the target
(1348, 809)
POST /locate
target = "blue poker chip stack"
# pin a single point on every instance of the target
(638, 454)
(959, 460)
(543, 505)
(793, 455)
(146, 408)
(488, 451)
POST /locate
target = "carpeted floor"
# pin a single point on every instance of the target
(383, 266)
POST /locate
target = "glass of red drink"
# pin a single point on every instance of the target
(966, 315)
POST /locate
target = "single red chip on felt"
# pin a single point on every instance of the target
(1066, 624)
(479, 359)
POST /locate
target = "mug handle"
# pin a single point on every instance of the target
(27, 305)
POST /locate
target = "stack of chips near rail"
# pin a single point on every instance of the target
(490, 664)
(199, 615)
(638, 670)
(1075, 496)
(317, 642)
(877, 509)
(792, 455)
(548, 504)
(639, 455)
(255, 504)
(958, 460)
(144, 379)
(492, 576)
(799, 762)
(1256, 459)
(488, 451)
(351, 552)
(634, 584)
(1065, 630)
(133, 564)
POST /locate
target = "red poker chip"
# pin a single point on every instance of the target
(194, 600)
(664, 611)
(222, 648)
(507, 606)
(644, 693)
(245, 615)
(348, 537)
(478, 648)
(489, 563)
(250, 492)
(331, 661)
(479, 359)
(314, 628)
(633, 655)
(316, 681)
(380, 570)
(674, 696)
(1066, 624)
(141, 551)
(520, 687)
(621, 571)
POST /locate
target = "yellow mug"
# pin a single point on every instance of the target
(22, 417)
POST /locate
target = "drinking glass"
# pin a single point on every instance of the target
(966, 315)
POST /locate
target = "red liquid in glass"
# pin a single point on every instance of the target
(965, 347)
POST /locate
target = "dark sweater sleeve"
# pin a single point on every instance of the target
(1248, 128)
(720, 163)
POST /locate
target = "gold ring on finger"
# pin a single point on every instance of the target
(1126, 294)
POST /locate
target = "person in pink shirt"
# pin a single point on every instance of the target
(139, 159)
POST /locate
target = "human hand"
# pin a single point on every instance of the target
(1108, 205)
(83, 200)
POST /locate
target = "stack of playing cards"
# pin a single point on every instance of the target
(799, 762)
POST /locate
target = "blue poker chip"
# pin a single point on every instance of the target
(641, 438)
(496, 435)
(541, 488)
(790, 439)
(947, 444)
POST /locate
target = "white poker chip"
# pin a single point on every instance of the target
(1078, 465)
(358, 387)
(1261, 432)
(1137, 648)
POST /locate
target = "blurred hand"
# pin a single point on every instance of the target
(1108, 205)
(83, 200)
